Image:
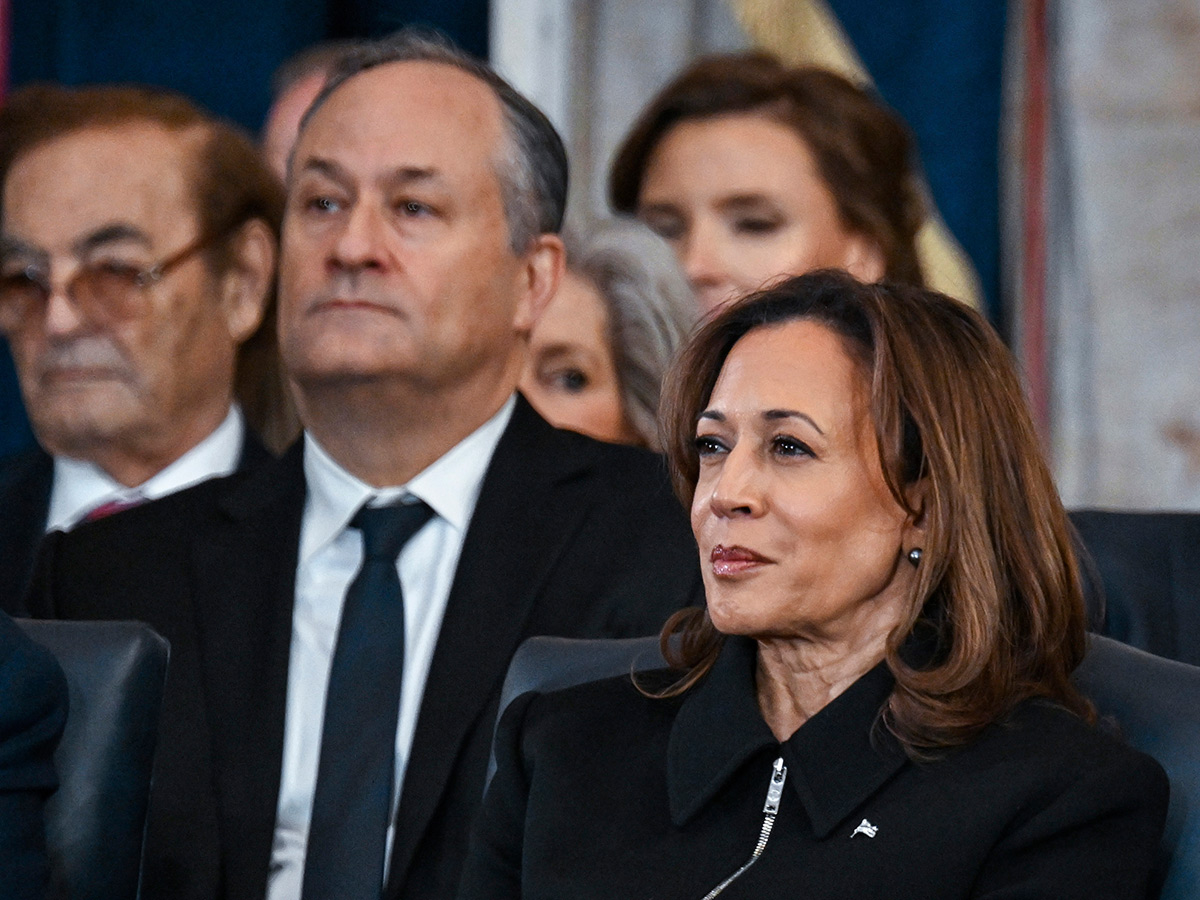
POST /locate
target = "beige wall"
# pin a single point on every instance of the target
(1125, 253)
(592, 65)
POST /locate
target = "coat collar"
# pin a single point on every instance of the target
(835, 761)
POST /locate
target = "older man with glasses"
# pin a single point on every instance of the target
(137, 252)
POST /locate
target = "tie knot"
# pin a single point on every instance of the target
(386, 529)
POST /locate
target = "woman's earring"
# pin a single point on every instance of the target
(914, 556)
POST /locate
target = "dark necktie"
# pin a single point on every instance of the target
(353, 798)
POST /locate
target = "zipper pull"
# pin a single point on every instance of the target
(775, 788)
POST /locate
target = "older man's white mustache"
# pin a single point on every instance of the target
(89, 352)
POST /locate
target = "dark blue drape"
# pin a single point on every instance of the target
(938, 62)
(220, 52)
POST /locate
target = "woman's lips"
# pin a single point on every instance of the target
(734, 560)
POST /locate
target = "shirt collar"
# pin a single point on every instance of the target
(835, 761)
(80, 486)
(450, 485)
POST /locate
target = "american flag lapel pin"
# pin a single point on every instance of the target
(865, 827)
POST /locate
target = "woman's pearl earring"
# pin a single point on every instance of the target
(914, 556)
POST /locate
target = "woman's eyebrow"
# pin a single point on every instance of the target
(773, 414)
(770, 415)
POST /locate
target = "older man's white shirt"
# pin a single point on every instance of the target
(80, 487)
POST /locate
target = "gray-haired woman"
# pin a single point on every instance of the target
(599, 351)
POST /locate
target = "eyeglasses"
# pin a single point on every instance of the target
(103, 292)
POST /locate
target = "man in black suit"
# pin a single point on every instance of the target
(138, 248)
(419, 246)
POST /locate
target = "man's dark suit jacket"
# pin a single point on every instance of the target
(33, 711)
(26, 480)
(602, 792)
(569, 537)
(1142, 581)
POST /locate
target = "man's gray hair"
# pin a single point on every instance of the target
(651, 310)
(533, 167)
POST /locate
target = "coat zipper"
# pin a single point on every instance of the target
(771, 808)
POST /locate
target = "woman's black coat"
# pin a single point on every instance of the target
(602, 792)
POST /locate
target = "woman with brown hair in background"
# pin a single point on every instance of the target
(752, 170)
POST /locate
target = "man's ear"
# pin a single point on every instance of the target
(542, 267)
(247, 283)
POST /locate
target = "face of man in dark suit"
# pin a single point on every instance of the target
(129, 386)
(396, 266)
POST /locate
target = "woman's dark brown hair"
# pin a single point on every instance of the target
(231, 184)
(862, 149)
(997, 598)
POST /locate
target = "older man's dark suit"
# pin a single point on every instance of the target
(26, 480)
(569, 537)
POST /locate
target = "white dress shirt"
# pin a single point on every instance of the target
(80, 486)
(330, 555)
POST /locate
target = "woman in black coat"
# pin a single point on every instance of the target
(876, 700)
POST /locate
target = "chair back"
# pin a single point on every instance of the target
(552, 663)
(96, 820)
(1141, 578)
(1156, 704)
(1154, 701)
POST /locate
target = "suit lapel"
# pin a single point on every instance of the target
(527, 512)
(245, 567)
